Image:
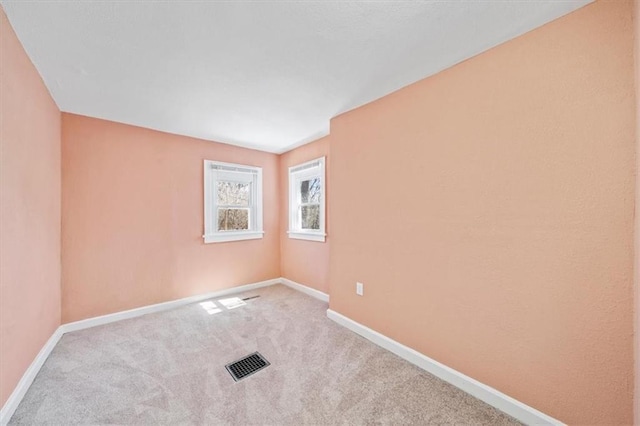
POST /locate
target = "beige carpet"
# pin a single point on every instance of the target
(168, 368)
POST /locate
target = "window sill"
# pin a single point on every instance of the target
(232, 236)
(309, 236)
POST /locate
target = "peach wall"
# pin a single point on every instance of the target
(305, 262)
(133, 219)
(489, 212)
(636, 26)
(29, 211)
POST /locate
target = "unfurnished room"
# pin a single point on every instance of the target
(320, 212)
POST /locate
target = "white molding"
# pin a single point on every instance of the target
(306, 290)
(309, 236)
(29, 375)
(214, 170)
(491, 396)
(132, 313)
(298, 173)
(27, 378)
(172, 304)
(232, 236)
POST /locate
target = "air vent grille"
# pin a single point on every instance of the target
(247, 366)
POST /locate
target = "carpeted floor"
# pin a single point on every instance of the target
(168, 368)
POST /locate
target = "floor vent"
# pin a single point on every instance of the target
(246, 366)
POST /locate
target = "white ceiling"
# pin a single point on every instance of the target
(261, 74)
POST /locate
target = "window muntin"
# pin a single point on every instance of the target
(307, 200)
(233, 205)
(233, 202)
(309, 204)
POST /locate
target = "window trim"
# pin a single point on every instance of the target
(298, 173)
(211, 176)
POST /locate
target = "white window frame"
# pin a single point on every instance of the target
(298, 173)
(215, 171)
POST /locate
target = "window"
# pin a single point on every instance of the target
(232, 202)
(306, 201)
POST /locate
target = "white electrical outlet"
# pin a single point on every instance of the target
(360, 289)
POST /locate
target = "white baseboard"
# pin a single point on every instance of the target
(491, 396)
(132, 313)
(497, 399)
(27, 378)
(21, 389)
(306, 290)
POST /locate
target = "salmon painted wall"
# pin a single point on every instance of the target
(488, 210)
(636, 26)
(29, 211)
(305, 262)
(132, 225)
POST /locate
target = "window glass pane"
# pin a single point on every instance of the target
(310, 190)
(310, 217)
(233, 193)
(233, 219)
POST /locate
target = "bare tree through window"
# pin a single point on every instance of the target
(310, 191)
(233, 205)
